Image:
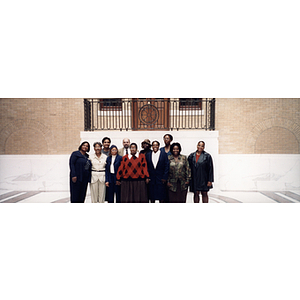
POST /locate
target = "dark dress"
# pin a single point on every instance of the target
(80, 167)
(133, 173)
(157, 190)
(111, 178)
(202, 172)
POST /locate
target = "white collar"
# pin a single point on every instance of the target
(157, 153)
(136, 155)
(101, 156)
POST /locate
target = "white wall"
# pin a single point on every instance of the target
(233, 172)
(51, 172)
(259, 172)
(187, 138)
(34, 172)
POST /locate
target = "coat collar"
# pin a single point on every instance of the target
(194, 156)
(173, 158)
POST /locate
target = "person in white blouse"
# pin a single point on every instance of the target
(98, 174)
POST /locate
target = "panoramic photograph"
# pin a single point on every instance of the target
(150, 150)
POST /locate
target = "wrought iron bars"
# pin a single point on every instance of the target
(149, 113)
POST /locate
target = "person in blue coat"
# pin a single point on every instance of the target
(113, 162)
(158, 168)
(80, 173)
(168, 138)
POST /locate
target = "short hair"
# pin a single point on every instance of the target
(173, 145)
(156, 142)
(97, 143)
(170, 136)
(133, 144)
(112, 147)
(106, 138)
(85, 142)
(201, 142)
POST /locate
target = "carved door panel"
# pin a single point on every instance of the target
(150, 113)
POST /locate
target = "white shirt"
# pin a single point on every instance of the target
(124, 152)
(136, 155)
(98, 164)
(155, 158)
(112, 169)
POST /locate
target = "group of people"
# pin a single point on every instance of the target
(159, 174)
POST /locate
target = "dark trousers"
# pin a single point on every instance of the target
(78, 191)
(106, 194)
(111, 190)
(179, 196)
(166, 200)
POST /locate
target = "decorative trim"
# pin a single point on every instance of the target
(258, 129)
(22, 124)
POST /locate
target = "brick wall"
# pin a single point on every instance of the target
(52, 126)
(260, 126)
(40, 126)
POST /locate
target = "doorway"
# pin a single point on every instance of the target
(150, 113)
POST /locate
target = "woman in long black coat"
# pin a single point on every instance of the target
(158, 168)
(201, 165)
(80, 173)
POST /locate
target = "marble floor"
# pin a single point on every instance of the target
(9, 196)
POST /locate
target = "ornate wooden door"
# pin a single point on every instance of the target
(150, 113)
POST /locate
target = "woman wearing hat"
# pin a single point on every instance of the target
(146, 145)
(113, 162)
(98, 174)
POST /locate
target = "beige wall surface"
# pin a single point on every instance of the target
(246, 126)
(40, 126)
(258, 126)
